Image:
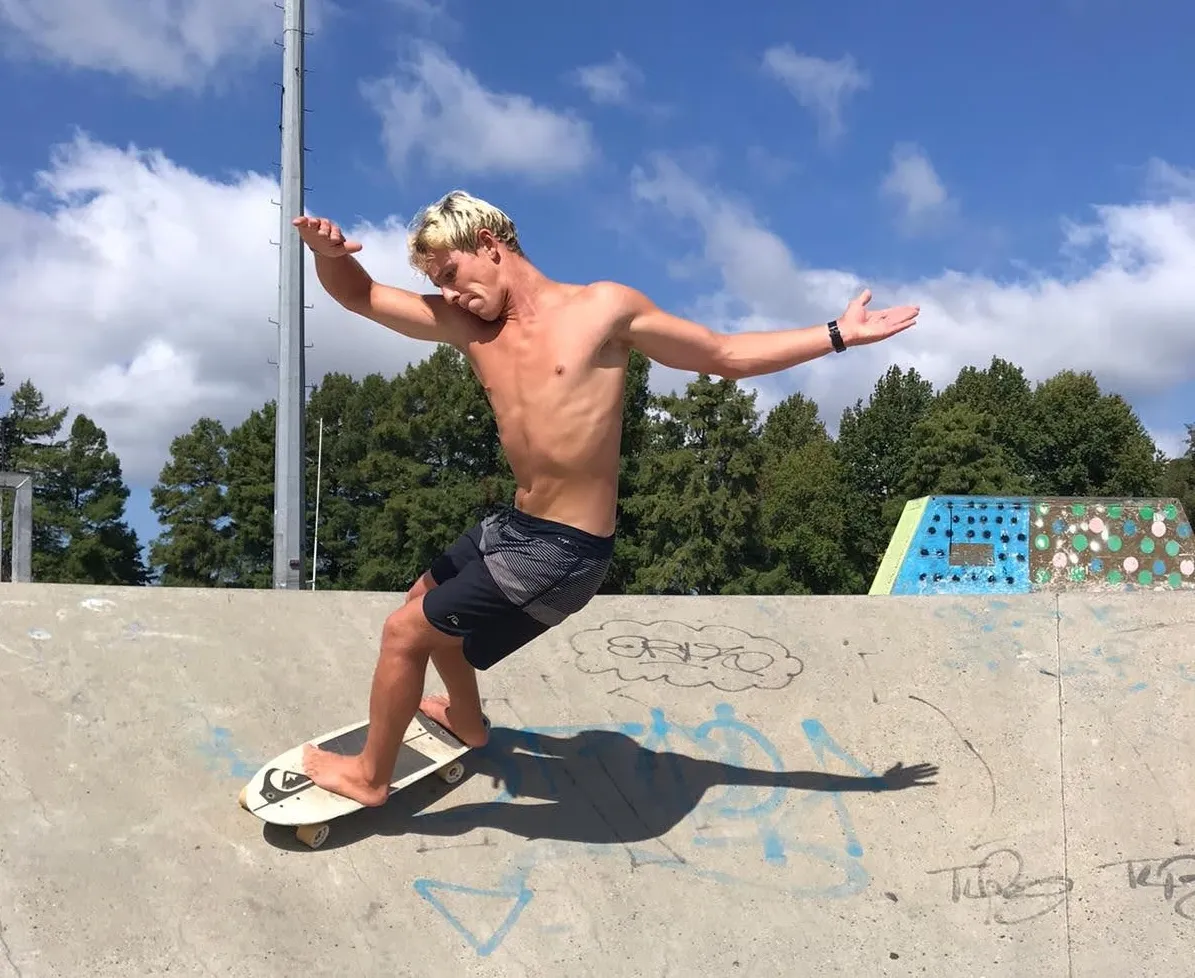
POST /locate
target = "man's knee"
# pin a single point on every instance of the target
(425, 583)
(407, 632)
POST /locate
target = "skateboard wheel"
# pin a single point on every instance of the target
(242, 798)
(313, 836)
(453, 773)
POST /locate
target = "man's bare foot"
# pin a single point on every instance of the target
(468, 731)
(343, 775)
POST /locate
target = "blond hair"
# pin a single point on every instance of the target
(453, 222)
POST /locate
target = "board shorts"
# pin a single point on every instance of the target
(510, 578)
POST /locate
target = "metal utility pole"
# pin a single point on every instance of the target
(289, 442)
(22, 524)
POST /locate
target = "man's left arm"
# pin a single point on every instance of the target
(686, 345)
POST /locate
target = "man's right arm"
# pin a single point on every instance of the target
(422, 317)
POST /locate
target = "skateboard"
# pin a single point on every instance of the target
(281, 794)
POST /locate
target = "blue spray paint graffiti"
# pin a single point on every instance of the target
(757, 819)
(222, 755)
(513, 891)
(1000, 641)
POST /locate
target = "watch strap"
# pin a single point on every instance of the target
(836, 336)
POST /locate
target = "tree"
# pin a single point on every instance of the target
(638, 431)
(805, 505)
(958, 451)
(250, 499)
(189, 499)
(876, 445)
(696, 508)
(435, 466)
(84, 509)
(1002, 394)
(1086, 443)
(1178, 479)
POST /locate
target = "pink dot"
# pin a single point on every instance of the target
(1059, 559)
(1130, 564)
(1097, 525)
(1187, 567)
(1159, 529)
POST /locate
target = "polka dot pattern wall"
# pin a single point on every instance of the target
(984, 544)
(1147, 544)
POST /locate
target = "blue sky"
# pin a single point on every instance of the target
(1022, 172)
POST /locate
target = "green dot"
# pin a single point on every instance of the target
(1114, 512)
(1172, 548)
(1147, 512)
(1042, 576)
(1145, 577)
(1115, 543)
(1115, 577)
(1041, 541)
(1080, 542)
(1042, 509)
(1172, 512)
(1078, 573)
(1147, 546)
(1175, 580)
(1078, 509)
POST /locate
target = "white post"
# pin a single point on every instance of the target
(319, 467)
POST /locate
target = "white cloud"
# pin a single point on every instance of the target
(914, 185)
(1165, 179)
(161, 43)
(1126, 316)
(609, 83)
(435, 106)
(143, 294)
(819, 85)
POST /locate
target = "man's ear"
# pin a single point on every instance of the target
(487, 243)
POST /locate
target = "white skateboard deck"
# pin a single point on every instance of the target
(281, 794)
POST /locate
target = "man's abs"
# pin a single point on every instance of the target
(574, 481)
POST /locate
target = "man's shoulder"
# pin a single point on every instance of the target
(618, 300)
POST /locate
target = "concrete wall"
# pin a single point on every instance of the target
(680, 787)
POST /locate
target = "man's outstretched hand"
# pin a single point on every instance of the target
(324, 237)
(860, 327)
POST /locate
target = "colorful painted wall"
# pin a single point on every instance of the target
(1012, 545)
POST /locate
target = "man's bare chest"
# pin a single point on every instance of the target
(531, 361)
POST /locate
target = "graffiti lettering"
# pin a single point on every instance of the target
(1166, 874)
(721, 656)
(997, 880)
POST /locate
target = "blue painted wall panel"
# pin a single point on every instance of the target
(989, 537)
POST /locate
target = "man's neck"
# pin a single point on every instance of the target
(529, 287)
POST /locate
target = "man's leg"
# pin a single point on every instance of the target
(408, 641)
(460, 711)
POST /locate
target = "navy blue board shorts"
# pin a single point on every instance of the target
(511, 578)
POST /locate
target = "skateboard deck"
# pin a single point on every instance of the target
(281, 794)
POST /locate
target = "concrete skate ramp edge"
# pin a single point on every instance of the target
(675, 787)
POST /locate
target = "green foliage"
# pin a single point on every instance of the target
(190, 502)
(715, 496)
(79, 495)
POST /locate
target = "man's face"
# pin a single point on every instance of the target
(469, 280)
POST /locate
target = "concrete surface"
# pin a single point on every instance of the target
(672, 790)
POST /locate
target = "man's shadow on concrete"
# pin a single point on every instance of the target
(594, 786)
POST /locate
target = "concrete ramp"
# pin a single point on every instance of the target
(676, 787)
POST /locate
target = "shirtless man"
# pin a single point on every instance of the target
(552, 358)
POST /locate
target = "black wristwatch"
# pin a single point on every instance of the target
(835, 336)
